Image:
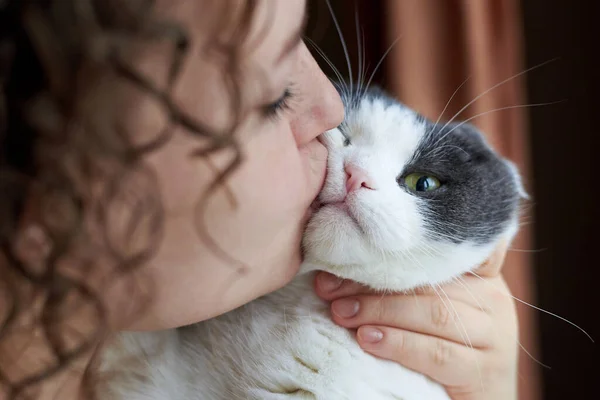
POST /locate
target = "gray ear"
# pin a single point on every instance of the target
(520, 188)
(470, 132)
(475, 136)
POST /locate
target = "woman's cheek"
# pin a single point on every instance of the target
(266, 191)
(276, 173)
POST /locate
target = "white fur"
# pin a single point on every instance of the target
(379, 238)
(284, 345)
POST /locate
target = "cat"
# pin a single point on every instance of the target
(406, 203)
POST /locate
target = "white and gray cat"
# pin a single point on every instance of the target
(406, 203)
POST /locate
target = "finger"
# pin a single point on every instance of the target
(476, 291)
(443, 361)
(492, 266)
(471, 290)
(430, 315)
(330, 287)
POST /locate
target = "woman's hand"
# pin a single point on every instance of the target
(462, 334)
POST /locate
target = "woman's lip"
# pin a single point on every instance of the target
(325, 169)
(310, 211)
(320, 139)
(315, 204)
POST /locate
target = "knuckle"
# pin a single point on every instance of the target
(498, 293)
(487, 333)
(380, 309)
(442, 353)
(401, 346)
(440, 315)
(350, 288)
(499, 296)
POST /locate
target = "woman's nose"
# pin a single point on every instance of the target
(323, 108)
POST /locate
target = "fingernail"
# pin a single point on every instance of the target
(345, 308)
(370, 335)
(328, 282)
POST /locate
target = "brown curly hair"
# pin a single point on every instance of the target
(57, 141)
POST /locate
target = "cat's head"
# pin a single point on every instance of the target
(407, 202)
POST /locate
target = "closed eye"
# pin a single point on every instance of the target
(274, 109)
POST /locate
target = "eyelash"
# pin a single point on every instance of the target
(275, 109)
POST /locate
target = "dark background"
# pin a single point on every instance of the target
(564, 144)
(565, 159)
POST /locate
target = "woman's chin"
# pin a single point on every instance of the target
(285, 273)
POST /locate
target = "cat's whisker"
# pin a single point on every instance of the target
(456, 317)
(415, 296)
(364, 65)
(285, 324)
(454, 224)
(429, 249)
(527, 219)
(343, 42)
(380, 62)
(460, 280)
(450, 146)
(455, 235)
(490, 112)
(456, 232)
(526, 251)
(361, 55)
(525, 224)
(450, 100)
(533, 306)
(496, 86)
(321, 53)
(465, 285)
(525, 208)
(458, 226)
(342, 82)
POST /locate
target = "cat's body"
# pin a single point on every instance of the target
(375, 225)
(281, 346)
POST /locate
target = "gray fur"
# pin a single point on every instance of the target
(478, 195)
(479, 192)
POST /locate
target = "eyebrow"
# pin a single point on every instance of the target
(294, 40)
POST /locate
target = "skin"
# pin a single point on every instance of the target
(274, 189)
(283, 170)
(425, 333)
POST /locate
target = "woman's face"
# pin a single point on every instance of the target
(282, 171)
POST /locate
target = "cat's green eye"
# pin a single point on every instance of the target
(421, 182)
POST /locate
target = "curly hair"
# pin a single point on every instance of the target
(57, 141)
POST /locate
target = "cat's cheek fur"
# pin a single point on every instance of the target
(414, 270)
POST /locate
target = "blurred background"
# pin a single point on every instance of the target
(549, 49)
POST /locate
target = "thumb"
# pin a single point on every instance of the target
(492, 266)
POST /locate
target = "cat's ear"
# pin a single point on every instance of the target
(469, 132)
(473, 135)
(471, 140)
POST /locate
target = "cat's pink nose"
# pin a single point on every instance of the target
(357, 178)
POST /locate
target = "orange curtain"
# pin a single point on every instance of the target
(441, 44)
